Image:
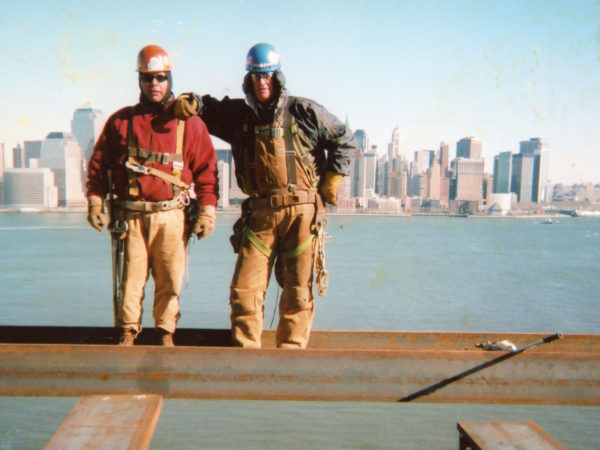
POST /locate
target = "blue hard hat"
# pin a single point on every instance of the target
(262, 58)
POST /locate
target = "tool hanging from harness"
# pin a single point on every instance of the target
(134, 167)
(280, 193)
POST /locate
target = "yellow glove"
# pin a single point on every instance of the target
(96, 217)
(205, 223)
(329, 187)
(186, 105)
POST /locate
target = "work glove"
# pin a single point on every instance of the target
(329, 187)
(205, 223)
(96, 217)
(187, 105)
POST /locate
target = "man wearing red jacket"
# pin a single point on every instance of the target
(147, 160)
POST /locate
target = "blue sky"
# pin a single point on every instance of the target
(501, 71)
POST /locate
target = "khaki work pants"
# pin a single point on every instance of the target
(154, 244)
(281, 230)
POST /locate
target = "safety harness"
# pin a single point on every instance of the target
(134, 167)
(290, 195)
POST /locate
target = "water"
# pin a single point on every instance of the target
(386, 273)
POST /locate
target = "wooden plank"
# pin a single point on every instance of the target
(503, 435)
(310, 374)
(109, 422)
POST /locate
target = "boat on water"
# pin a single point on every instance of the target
(433, 367)
(548, 221)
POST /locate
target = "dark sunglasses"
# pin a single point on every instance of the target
(148, 77)
(260, 75)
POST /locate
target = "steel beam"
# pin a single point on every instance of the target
(536, 377)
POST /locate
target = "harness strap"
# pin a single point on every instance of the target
(150, 157)
(289, 124)
(255, 240)
(134, 152)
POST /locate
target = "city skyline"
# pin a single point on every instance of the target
(502, 72)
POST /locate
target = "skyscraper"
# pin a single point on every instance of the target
(523, 174)
(539, 149)
(18, 157)
(502, 172)
(469, 179)
(32, 151)
(61, 153)
(86, 126)
(370, 171)
(468, 147)
(362, 140)
(394, 145)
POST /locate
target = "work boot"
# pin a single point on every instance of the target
(127, 337)
(165, 338)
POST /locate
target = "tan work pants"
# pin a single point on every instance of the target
(281, 230)
(154, 244)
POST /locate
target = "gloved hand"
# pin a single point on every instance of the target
(187, 105)
(205, 223)
(329, 186)
(96, 217)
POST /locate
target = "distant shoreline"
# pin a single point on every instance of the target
(550, 215)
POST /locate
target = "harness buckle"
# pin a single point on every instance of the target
(275, 201)
(138, 168)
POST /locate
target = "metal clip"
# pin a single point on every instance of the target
(138, 168)
(184, 198)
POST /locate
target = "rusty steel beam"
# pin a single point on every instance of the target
(536, 377)
(356, 340)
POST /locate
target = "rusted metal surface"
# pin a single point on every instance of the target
(355, 340)
(109, 422)
(566, 378)
(501, 435)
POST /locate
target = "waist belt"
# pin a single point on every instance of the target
(165, 205)
(277, 200)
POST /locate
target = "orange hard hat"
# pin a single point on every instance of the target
(153, 58)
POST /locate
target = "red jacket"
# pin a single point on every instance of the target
(155, 129)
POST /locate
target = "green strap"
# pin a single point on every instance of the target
(255, 240)
(300, 249)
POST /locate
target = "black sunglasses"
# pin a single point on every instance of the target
(148, 77)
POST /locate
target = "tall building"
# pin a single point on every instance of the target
(370, 171)
(61, 153)
(381, 186)
(30, 188)
(502, 172)
(523, 175)
(362, 140)
(468, 147)
(357, 174)
(423, 159)
(539, 149)
(444, 159)
(32, 151)
(444, 176)
(86, 126)
(223, 169)
(468, 179)
(394, 145)
(18, 156)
